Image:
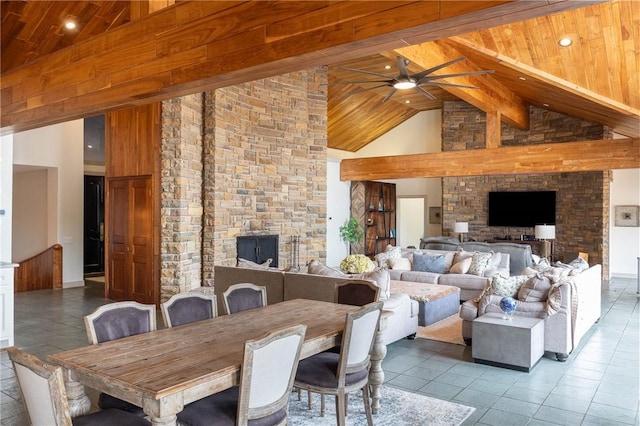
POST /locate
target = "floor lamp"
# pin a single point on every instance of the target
(545, 233)
(461, 228)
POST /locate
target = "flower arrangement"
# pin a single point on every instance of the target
(357, 264)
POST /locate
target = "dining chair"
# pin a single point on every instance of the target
(184, 308)
(115, 321)
(356, 292)
(329, 373)
(244, 296)
(266, 379)
(45, 397)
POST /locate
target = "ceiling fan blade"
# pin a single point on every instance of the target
(436, 68)
(391, 92)
(462, 74)
(427, 94)
(402, 67)
(362, 81)
(366, 89)
(438, 83)
(366, 72)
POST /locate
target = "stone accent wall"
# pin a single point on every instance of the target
(265, 167)
(181, 195)
(582, 211)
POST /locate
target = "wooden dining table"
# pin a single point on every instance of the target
(162, 371)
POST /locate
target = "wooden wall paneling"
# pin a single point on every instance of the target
(117, 230)
(41, 271)
(543, 158)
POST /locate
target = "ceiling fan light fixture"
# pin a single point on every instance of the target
(404, 84)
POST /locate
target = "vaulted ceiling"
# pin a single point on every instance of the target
(596, 78)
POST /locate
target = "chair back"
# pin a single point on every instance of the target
(184, 308)
(268, 372)
(356, 292)
(118, 320)
(244, 296)
(358, 338)
(42, 389)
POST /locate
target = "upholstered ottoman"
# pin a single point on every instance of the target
(435, 302)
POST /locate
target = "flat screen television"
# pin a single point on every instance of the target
(522, 208)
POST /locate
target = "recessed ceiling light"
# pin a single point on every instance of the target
(89, 146)
(387, 67)
(70, 25)
(407, 101)
(545, 105)
(565, 42)
(522, 78)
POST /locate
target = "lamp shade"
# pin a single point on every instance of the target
(545, 232)
(461, 227)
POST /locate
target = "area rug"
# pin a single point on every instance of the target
(447, 330)
(397, 408)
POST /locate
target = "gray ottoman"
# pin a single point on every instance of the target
(435, 301)
(517, 344)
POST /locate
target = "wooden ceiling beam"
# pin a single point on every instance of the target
(608, 110)
(490, 96)
(195, 46)
(543, 158)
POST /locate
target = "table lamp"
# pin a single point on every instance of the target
(546, 232)
(461, 228)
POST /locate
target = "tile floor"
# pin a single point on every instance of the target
(598, 385)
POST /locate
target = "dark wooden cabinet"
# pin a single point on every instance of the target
(258, 248)
(374, 205)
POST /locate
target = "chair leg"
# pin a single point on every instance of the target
(367, 405)
(340, 406)
(309, 399)
(321, 405)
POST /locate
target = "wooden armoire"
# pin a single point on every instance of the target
(132, 204)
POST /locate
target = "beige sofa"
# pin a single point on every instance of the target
(579, 300)
(292, 285)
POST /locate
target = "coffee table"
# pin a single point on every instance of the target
(517, 344)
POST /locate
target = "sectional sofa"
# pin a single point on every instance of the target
(283, 285)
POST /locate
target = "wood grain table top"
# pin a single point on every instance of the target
(200, 358)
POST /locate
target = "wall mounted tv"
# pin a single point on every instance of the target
(522, 208)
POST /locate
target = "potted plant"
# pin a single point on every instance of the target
(351, 232)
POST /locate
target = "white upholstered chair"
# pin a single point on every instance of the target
(329, 373)
(266, 379)
(115, 321)
(244, 296)
(45, 398)
(184, 308)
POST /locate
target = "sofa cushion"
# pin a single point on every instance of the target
(400, 263)
(505, 286)
(244, 263)
(461, 267)
(421, 277)
(535, 289)
(316, 268)
(429, 263)
(480, 262)
(464, 281)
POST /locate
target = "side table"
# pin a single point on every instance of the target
(517, 344)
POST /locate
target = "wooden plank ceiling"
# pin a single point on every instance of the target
(596, 78)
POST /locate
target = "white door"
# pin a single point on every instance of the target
(338, 212)
(410, 221)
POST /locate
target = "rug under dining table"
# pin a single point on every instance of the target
(398, 408)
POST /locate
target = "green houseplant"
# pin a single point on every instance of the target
(351, 232)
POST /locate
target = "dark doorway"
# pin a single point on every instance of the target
(94, 225)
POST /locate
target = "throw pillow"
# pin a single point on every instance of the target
(461, 267)
(505, 286)
(535, 289)
(244, 263)
(381, 277)
(429, 263)
(496, 260)
(400, 263)
(390, 253)
(461, 255)
(316, 268)
(448, 257)
(480, 262)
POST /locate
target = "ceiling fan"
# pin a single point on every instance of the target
(404, 80)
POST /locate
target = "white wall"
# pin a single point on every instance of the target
(6, 274)
(624, 242)
(420, 134)
(30, 200)
(60, 149)
(338, 212)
